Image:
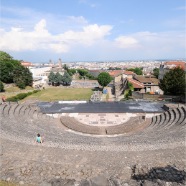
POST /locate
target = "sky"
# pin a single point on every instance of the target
(93, 30)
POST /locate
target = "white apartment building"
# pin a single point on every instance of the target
(40, 75)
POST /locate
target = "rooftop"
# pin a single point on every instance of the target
(173, 64)
(136, 84)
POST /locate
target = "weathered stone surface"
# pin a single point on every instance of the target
(69, 158)
(60, 182)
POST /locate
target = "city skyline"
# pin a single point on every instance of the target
(92, 30)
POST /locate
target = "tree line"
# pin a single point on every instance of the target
(11, 71)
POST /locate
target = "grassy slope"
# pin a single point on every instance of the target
(13, 90)
(61, 93)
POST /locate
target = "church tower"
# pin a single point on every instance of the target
(60, 63)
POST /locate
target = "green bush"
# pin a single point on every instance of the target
(127, 96)
(35, 91)
(29, 93)
(13, 99)
(130, 93)
(21, 85)
(21, 96)
(1, 87)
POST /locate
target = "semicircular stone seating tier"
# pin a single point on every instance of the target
(169, 119)
(135, 124)
(21, 122)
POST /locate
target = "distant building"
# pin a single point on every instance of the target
(95, 73)
(166, 66)
(150, 84)
(40, 75)
(128, 74)
(138, 86)
(58, 68)
(115, 73)
(26, 64)
(120, 81)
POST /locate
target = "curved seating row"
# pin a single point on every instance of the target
(133, 125)
(24, 122)
(21, 111)
(171, 118)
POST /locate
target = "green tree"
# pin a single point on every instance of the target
(67, 79)
(136, 70)
(114, 68)
(82, 72)
(104, 79)
(5, 56)
(156, 72)
(22, 77)
(130, 86)
(6, 70)
(55, 79)
(71, 71)
(1, 86)
(173, 82)
(51, 77)
(65, 67)
(28, 77)
(11, 71)
(58, 78)
(90, 76)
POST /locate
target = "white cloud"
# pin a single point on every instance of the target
(79, 19)
(40, 38)
(126, 42)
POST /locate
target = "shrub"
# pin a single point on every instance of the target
(1, 87)
(21, 85)
(13, 99)
(29, 93)
(21, 96)
(130, 93)
(35, 91)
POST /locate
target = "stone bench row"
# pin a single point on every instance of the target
(75, 125)
(15, 126)
(172, 118)
(133, 125)
(55, 134)
(21, 111)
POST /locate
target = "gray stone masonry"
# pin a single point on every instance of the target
(151, 156)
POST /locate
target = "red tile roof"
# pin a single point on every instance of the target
(129, 72)
(26, 64)
(115, 73)
(136, 84)
(172, 64)
(143, 79)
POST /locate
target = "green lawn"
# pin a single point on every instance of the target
(62, 93)
(13, 90)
